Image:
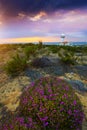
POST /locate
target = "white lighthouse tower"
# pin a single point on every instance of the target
(63, 42)
(62, 38)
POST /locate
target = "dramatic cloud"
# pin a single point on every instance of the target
(38, 16)
(11, 8)
(43, 19)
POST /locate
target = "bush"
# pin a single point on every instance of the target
(48, 104)
(30, 50)
(19, 123)
(16, 65)
(67, 57)
(54, 48)
(40, 45)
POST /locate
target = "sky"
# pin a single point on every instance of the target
(42, 20)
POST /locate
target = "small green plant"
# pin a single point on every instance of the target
(40, 45)
(16, 65)
(67, 57)
(53, 49)
(30, 51)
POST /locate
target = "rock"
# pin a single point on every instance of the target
(82, 71)
(54, 70)
(33, 74)
(41, 62)
(78, 85)
(81, 67)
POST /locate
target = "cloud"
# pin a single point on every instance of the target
(21, 15)
(0, 23)
(38, 16)
(47, 20)
(11, 8)
(76, 34)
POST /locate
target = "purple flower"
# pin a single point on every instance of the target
(32, 84)
(11, 126)
(30, 119)
(66, 88)
(49, 90)
(20, 120)
(25, 100)
(69, 112)
(62, 103)
(44, 118)
(74, 102)
(46, 123)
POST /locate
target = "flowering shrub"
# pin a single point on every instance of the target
(48, 104)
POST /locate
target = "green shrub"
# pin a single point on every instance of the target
(53, 48)
(67, 57)
(16, 65)
(48, 104)
(30, 50)
(40, 45)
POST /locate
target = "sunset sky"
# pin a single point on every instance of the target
(46, 20)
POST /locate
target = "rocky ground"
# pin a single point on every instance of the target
(11, 88)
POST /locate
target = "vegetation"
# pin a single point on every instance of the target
(19, 62)
(16, 65)
(30, 51)
(53, 49)
(67, 57)
(40, 45)
(47, 104)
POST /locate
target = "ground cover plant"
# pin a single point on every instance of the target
(47, 104)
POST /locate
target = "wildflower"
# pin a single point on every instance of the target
(74, 102)
(69, 112)
(47, 104)
(46, 123)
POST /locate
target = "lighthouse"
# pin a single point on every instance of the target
(62, 38)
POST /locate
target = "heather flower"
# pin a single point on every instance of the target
(49, 103)
(46, 123)
(74, 102)
(32, 84)
(69, 112)
(62, 103)
(44, 118)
